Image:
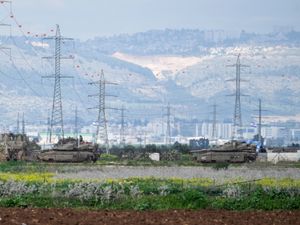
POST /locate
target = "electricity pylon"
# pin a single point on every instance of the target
(237, 132)
(56, 123)
(101, 132)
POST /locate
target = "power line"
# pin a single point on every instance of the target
(23, 79)
(3, 48)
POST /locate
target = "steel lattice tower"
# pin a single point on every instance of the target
(237, 132)
(237, 122)
(57, 113)
(101, 131)
(57, 123)
(102, 122)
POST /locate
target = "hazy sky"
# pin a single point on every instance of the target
(89, 18)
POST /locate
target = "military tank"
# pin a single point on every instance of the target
(15, 147)
(70, 150)
(231, 152)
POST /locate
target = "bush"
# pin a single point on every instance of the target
(221, 166)
(194, 199)
(108, 157)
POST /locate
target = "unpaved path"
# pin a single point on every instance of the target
(115, 172)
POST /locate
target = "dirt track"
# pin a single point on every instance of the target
(202, 217)
(116, 172)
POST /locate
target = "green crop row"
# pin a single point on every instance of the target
(148, 194)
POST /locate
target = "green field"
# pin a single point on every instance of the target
(56, 185)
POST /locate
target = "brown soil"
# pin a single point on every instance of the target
(32, 216)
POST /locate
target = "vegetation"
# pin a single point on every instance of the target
(24, 184)
(29, 189)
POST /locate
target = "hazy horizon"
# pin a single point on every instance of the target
(84, 20)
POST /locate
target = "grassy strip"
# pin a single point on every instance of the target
(40, 167)
(148, 194)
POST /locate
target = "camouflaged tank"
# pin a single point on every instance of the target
(70, 150)
(17, 147)
(232, 152)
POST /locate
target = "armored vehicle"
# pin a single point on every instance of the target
(232, 152)
(17, 147)
(70, 150)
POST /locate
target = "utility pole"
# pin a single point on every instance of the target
(237, 132)
(259, 121)
(162, 124)
(56, 123)
(76, 132)
(168, 136)
(101, 132)
(260, 110)
(23, 125)
(18, 124)
(214, 130)
(122, 130)
(75, 124)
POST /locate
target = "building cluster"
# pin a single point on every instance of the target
(154, 132)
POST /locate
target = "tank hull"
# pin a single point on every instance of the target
(67, 156)
(70, 150)
(230, 157)
(15, 147)
(231, 152)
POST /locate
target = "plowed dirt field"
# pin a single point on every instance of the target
(32, 216)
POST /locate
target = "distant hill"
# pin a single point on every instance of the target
(187, 68)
